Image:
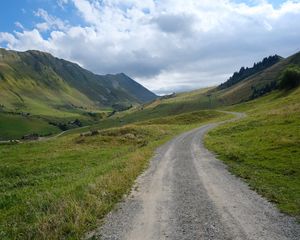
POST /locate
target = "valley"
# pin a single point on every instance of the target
(38, 86)
(64, 187)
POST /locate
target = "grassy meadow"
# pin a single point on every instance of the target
(60, 189)
(264, 148)
(15, 126)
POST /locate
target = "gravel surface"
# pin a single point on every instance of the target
(188, 194)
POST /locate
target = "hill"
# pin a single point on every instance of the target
(263, 148)
(249, 88)
(38, 83)
(243, 73)
(64, 194)
(259, 83)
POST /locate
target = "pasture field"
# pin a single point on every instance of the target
(63, 187)
(264, 148)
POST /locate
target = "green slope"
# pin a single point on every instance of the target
(244, 90)
(264, 148)
(251, 87)
(208, 98)
(60, 189)
(54, 90)
(41, 84)
(15, 126)
(244, 73)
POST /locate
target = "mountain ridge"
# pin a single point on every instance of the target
(57, 81)
(246, 72)
(245, 89)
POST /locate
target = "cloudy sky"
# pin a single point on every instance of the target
(167, 45)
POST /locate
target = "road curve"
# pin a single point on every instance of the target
(60, 134)
(187, 193)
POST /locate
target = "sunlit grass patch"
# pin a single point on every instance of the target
(264, 148)
(62, 188)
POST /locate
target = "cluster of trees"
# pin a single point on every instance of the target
(119, 107)
(257, 92)
(290, 78)
(68, 125)
(172, 95)
(246, 72)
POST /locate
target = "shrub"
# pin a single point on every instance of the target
(290, 78)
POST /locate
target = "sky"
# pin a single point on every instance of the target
(166, 45)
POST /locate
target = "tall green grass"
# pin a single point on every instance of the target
(61, 189)
(264, 148)
(16, 126)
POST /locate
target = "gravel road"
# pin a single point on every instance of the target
(187, 193)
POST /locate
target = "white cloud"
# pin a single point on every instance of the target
(50, 22)
(62, 3)
(28, 39)
(9, 38)
(19, 25)
(168, 44)
(90, 11)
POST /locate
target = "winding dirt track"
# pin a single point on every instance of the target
(188, 194)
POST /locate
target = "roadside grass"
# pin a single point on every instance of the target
(61, 189)
(264, 148)
(16, 126)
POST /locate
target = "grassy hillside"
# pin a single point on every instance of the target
(208, 98)
(54, 90)
(16, 126)
(244, 73)
(39, 83)
(258, 84)
(264, 148)
(36, 91)
(177, 104)
(247, 89)
(60, 189)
